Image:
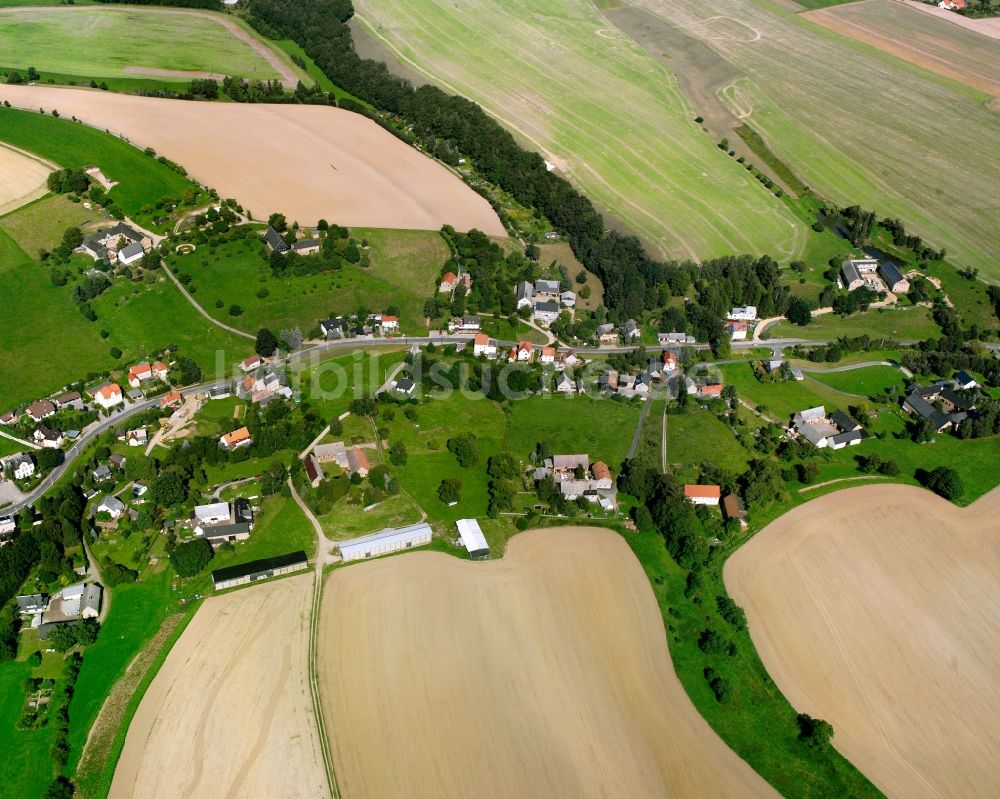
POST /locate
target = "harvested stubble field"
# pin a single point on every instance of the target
(23, 178)
(545, 673)
(858, 125)
(604, 112)
(308, 162)
(922, 39)
(229, 713)
(104, 42)
(876, 608)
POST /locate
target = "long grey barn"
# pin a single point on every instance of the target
(385, 541)
(244, 573)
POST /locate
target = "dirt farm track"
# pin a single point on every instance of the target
(229, 713)
(878, 609)
(308, 162)
(544, 674)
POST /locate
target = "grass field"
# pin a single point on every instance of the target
(404, 266)
(904, 324)
(820, 121)
(42, 318)
(41, 224)
(595, 104)
(698, 437)
(781, 400)
(27, 748)
(142, 180)
(103, 42)
(871, 381)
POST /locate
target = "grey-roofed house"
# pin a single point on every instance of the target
(90, 601)
(568, 298)
(306, 246)
(841, 440)
(916, 404)
(850, 277)
(102, 473)
(524, 294)
(844, 422)
(31, 603)
(893, 278)
(274, 241)
(112, 506)
(130, 253)
(550, 287)
(964, 380)
(334, 328)
(404, 385)
(21, 466)
(546, 312)
(631, 330)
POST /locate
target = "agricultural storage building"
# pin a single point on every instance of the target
(385, 541)
(473, 539)
(244, 573)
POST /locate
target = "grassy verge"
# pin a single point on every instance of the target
(906, 324)
(756, 721)
(759, 148)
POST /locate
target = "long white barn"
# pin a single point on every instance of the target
(385, 541)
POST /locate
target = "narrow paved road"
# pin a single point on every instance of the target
(202, 311)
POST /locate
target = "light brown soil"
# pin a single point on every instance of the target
(23, 178)
(988, 26)
(307, 162)
(229, 714)
(878, 609)
(544, 674)
(928, 41)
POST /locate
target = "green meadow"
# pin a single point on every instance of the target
(104, 42)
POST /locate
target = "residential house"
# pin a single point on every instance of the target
(836, 432)
(547, 290)
(223, 522)
(607, 334)
(220, 392)
(274, 241)
(29, 604)
(71, 399)
(116, 240)
(481, 345)
(545, 312)
(630, 330)
(47, 437)
(335, 327)
(568, 299)
(965, 381)
(9, 418)
(389, 323)
(237, 439)
(710, 392)
(920, 401)
(109, 395)
(101, 473)
(738, 329)
(608, 381)
(745, 313)
(335, 452)
(171, 399)
(314, 470)
(306, 246)
(357, 462)
(130, 253)
(669, 361)
(20, 466)
(674, 339)
(602, 475)
(844, 422)
(117, 461)
(856, 272)
(565, 384)
(143, 372)
(893, 278)
(404, 385)
(703, 494)
(41, 409)
(524, 294)
(732, 508)
(112, 506)
(448, 283)
(524, 352)
(137, 438)
(251, 363)
(548, 355)
(464, 324)
(565, 359)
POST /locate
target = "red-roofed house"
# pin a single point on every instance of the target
(548, 355)
(710, 391)
(738, 329)
(390, 322)
(602, 475)
(236, 439)
(251, 363)
(448, 283)
(109, 395)
(171, 400)
(525, 351)
(669, 361)
(481, 345)
(357, 462)
(703, 494)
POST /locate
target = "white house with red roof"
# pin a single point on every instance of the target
(481, 345)
(236, 440)
(389, 323)
(251, 363)
(448, 283)
(703, 494)
(710, 392)
(548, 355)
(109, 395)
(524, 351)
(142, 372)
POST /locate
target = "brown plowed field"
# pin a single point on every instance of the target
(23, 178)
(544, 674)
(928, 41)
(878, 609)
(307, 162)
(229, 713)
